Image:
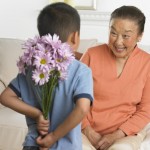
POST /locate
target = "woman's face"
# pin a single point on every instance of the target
(123, 37)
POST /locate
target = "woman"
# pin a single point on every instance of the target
(121, 74)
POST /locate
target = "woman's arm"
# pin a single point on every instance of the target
(142, 115)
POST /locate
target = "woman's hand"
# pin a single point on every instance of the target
(107, 140)
(92, 136)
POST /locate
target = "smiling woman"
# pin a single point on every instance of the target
(116, 67)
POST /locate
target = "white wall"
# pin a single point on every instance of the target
(18, 18)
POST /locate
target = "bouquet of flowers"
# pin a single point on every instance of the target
(49, 59)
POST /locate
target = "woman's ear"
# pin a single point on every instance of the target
(140, 37)
(74, 40)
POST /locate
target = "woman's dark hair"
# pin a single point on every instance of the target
(132, 13)
(58, 18)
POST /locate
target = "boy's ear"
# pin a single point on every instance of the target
(73, 40)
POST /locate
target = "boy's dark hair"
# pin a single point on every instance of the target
(132, 13)
(59, 18)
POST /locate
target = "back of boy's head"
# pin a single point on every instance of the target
(58, 18)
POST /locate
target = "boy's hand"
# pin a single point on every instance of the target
(46, 141)
(42, 125)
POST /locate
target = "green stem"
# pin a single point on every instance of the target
(47, 93)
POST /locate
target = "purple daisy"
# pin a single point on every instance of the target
(40, 77)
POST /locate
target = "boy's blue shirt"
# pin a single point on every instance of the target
(79, 84)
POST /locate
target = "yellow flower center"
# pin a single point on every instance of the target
(41, 76)
(59, 60)
(43, 61)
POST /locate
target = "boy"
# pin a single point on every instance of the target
(72, 97)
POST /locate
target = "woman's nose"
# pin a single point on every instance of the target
(119, 40)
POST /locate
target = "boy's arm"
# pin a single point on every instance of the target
(81, 109)
(9, 99)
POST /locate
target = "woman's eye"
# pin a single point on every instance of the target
(113, 34)
(126, 36)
